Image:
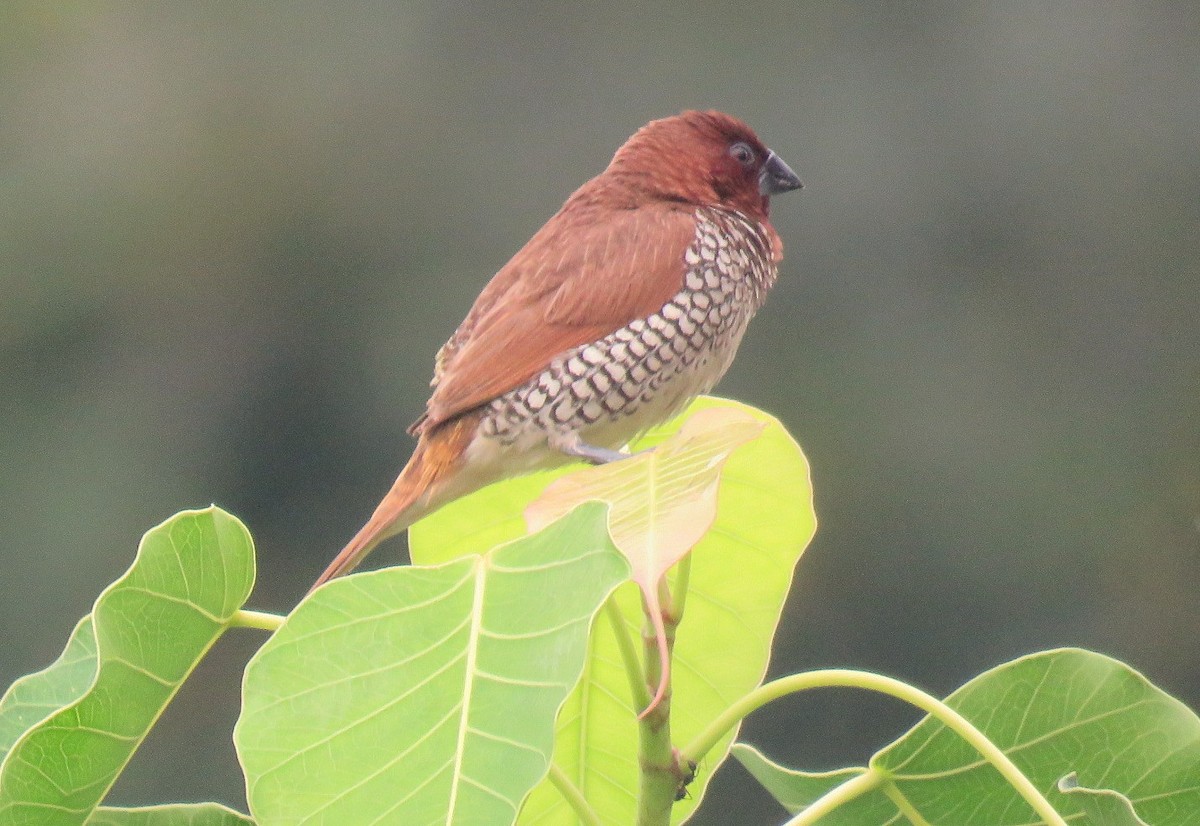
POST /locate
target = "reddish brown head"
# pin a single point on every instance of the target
(702, 158)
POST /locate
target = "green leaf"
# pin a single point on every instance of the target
(741, 573)
(35, 697)
(425, 694)
(179, 814)
(86, 714)
(793, 789)
(1052, 713)
(1103, 807)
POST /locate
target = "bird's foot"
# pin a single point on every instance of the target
(576, 448)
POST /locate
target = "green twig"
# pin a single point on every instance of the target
(661, 771)
(683, 578)
(834, 677)
(575, 799)
(255, 619)
(629, 655)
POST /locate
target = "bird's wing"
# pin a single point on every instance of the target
(582, 276)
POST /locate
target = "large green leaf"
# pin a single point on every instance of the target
(35, 697)
(741, 572)
(1052, 713)
(178, 814)
(71, 729)
(425, 694)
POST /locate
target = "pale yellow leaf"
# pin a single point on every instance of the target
(662, 502)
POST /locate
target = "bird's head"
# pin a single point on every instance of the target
(703, 158)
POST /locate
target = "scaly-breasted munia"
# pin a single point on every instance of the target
(628, 303)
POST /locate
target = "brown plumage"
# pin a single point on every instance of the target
(624, 306)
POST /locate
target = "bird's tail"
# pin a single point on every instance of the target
(430, 479)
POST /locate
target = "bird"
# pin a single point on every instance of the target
(625, 306)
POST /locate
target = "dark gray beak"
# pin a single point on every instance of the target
(777, 177)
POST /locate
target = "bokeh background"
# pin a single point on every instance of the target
(232, 237)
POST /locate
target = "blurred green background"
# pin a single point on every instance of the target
(234, 235)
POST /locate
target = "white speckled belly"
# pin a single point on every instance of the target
(610, 390)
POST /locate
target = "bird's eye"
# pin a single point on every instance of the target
(742, 153)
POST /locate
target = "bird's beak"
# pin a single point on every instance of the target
(777, 177)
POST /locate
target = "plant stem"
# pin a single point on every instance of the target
(660, 769)
(629, 657)
(838, 796)
(683, 578)
(575, 799)
(255, 619)
(885, 685)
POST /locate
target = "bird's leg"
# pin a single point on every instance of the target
(575, 447)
